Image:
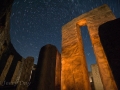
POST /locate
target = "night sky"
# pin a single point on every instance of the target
(35, 23)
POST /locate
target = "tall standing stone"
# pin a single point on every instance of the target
(96, 77)
(109, 33)
(102, 15)
(58, 72)
(46, 69)
(74, 69)
(24, 81)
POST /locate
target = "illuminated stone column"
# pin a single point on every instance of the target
(93, 23)
(74, 74)
(96, 77)
(73, 60)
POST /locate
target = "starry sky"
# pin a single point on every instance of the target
(35, 23)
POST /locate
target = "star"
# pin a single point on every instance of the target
(35, 23)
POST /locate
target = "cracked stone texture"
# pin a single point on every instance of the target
(109, 33)
(74, 74)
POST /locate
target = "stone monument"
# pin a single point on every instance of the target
(48, 69)
(74, 74)
(109, 33)
(10, 60)
(96, 77)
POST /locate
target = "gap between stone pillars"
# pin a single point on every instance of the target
(83, 61)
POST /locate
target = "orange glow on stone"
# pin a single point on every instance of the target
(82, 22)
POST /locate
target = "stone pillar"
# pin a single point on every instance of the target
(74, 74)
(16, 72)
(96, 77)
(6, 68)
(58, 72)
(93, 23)
(25, 74)
(45, 70)
(109, 33)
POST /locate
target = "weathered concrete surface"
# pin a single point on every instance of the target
(109, 33)
(58, 72)
(25, 74)
(96, 77)
(74, 70)
(46, 69)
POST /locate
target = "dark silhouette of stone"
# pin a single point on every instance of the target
(5, 5)
(2, 21)
(4, 58)
(109, 33)
(8, 53)
(5, 11)
(10, 87)
(45, 70)
(32, 77)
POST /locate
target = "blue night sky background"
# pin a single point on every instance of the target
(35, 23)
